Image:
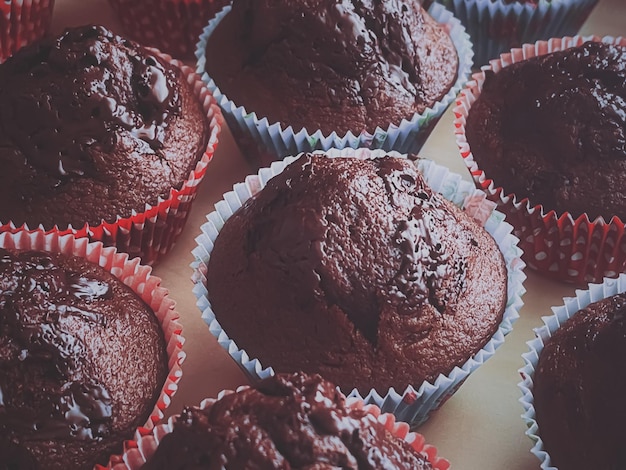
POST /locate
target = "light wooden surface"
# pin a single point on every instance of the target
(480, 427)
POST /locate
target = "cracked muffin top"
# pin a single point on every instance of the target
(356, 270)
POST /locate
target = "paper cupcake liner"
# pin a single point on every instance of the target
(136, 276)
(415, 403)
(557, 245)
(173, 26)
(262, 141)
(23, 22)
(496, 27)
(137, 453)
(561, 314)
(150, 234)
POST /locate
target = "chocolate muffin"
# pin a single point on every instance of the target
(553, 129)
(579, 388)
(331, 65)
(93, 127)
(356, 270)
(286, 422)
(82, 362)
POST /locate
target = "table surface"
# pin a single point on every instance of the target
(480, 426)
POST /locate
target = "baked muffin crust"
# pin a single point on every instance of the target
(286, 422)
(92, 127)
(579, 388)
(82, 361)
(553, 129)
(331, 65)
(356, 270)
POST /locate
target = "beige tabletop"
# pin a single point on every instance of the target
(480, 427)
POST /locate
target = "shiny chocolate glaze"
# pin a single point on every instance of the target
(67, 94)
(553, 129)
(286, 422)
(579, 389)
(36, 296)
(356, 270)
(55, 315)
(92, 126)
(331, 65)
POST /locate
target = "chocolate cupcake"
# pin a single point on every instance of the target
(497, 26)
(545, 138)
(285, 421)
(84, 357)
(298, 76)
(355, 269)
(574, 382)
(99, 136)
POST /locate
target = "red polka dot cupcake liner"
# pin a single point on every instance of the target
(172, 26)
(577, 250)
(136, 276)
(149, 234)
(23, 22)
(137, 453)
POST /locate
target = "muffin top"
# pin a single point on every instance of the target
(82, 361)
(356, 270)
(92, 127)
(329, 64)
(553, 128)
(579, 388)
(286, 422)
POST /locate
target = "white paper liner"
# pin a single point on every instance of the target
(137, 453)
(561, 247)
(136, 276)
(412, 405)
(571, 305)
(275, 141)
(152, 233)
(496, 27)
